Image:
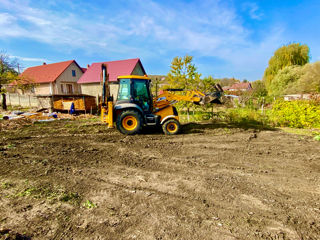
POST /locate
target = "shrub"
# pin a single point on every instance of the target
(299, 113)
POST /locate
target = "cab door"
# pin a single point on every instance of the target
(141, 94)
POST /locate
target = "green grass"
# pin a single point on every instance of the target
(230, 117)
(53, 194)
(302, 131)
(88, 204)
(18, 108)
(7, 185)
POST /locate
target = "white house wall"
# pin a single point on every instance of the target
(67, 78)
(95, 89)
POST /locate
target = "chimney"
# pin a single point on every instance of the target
(44, 63)
(88, 65)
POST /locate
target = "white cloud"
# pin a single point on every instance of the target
(184, 29)
(253, 10)
(6, 18)
(201, 28)
(30, 59)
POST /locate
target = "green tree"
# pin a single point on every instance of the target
(285, 81)
(309, 82)
(157, 83)
(8, 74)
(288, 55)
(207, 84)
(183, 74)
(259, 89)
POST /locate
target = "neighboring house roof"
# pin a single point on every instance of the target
(241, 86)
(114, 68)
(47, 73)
(84, 69)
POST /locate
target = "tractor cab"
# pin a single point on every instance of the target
(133, 108)
(135, 90)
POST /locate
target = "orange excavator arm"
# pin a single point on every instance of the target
(171, 96)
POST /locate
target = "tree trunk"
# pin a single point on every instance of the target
(4, 102)
(188, 114)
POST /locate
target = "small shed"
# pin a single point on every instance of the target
(82, 102)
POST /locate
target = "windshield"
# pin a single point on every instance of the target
(124, 89)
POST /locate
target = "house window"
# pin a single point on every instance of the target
(73, 73)
(62, 88)
(69, 88)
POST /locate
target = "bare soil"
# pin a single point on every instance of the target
(80, 180)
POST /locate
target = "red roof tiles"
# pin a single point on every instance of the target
(46, 73)
(239, 86)
(114, 68)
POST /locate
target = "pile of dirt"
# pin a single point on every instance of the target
(6, 125)
(27, 119)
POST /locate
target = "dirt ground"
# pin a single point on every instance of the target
(80, 180)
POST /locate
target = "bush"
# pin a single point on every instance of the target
(246, 117)
(298, 114)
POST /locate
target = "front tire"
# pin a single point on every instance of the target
(129, 122)
(171, 127)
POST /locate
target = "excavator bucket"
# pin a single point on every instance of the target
(212, 97)
(209, 98)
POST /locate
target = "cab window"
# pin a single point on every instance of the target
(124, 89)
(141, 94)
(141, 90)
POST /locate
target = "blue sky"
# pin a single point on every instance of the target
(228, 38)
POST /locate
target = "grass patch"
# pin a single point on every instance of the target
(69, 197)
(245, 118)
(89, 205)
(18, 108)
(50, 193)
(302, 131)
(10, 146)
(7, 185)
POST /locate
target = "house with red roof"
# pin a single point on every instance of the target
(90, 81)
(55, 78)
(243, 86)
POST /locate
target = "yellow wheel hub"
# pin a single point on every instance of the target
(129, 123)
(172, 127)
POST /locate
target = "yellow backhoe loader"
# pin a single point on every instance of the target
(135, 108)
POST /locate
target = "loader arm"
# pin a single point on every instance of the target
(171, 96)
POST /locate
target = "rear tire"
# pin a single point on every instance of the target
(129, 122)
(171, 127)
